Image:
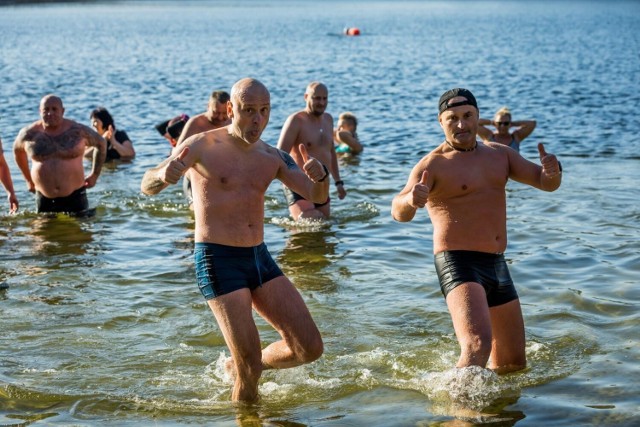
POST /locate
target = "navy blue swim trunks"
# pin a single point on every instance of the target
(293, 197)
(222, 269)
(75, 202)
(489, 270)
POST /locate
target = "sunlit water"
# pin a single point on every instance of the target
(102, 322)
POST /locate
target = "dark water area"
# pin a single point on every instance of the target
(102, 323)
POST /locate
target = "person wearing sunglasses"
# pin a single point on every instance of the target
(503, 124)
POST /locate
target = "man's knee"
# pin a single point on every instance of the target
(311, 350)
(478, 345)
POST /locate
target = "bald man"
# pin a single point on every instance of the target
(313, 129)
(231, 169)
(56, 146)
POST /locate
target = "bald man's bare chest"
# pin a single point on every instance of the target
(316, 138)
(68, 145)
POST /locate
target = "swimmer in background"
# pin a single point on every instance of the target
(502, 122)
(174, 129)
(119, 145)
(214, 117)
(5, 178)
(345, 136)
(313, 128)
(55, 146)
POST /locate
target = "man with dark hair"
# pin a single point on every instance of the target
(232, 168)
(462, 183)
(56, 147)
(215, 116)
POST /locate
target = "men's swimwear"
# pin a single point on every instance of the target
(75, 202)
(293, 197)
(222, 269)
(489, 270)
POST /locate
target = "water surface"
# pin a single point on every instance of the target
(102, 322)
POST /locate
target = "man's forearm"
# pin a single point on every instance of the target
(401, 209)
(152, 183)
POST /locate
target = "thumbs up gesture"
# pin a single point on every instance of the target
(315, 170)
(549, 162)
(420, 191)
(175, 168)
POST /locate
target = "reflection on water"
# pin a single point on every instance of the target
(59, 235)
(102, 321)
(306, 257)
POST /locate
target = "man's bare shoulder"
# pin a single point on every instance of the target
(31, 129)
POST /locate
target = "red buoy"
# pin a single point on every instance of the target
(352, 31)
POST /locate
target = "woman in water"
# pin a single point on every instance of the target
(502, 122)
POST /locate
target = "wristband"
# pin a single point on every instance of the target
(560, 166)
(339, 182)
(326, 174)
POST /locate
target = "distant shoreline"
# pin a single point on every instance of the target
(16, 2)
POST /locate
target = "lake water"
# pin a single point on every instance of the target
(102, 322)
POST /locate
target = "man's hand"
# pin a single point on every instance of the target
(420, 192)
(550, 164)
(315, 170)
(175, 168)
(13, 203)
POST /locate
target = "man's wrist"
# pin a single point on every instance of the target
(339, 182)
(326, 174)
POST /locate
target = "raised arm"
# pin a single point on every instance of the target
(169, 171)
(413, 196)
(124, 147)
(483, 131)
(525, 127)
(349, 139)
(546, 177)
(312, 182)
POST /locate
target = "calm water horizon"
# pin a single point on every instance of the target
(102, 322)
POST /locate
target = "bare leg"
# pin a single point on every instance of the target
(234, 316)
(280, 304)
(508, 346)
(305, 209)
(472, 323)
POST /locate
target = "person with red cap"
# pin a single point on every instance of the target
(462, 183)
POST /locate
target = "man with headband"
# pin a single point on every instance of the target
(462, 183)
